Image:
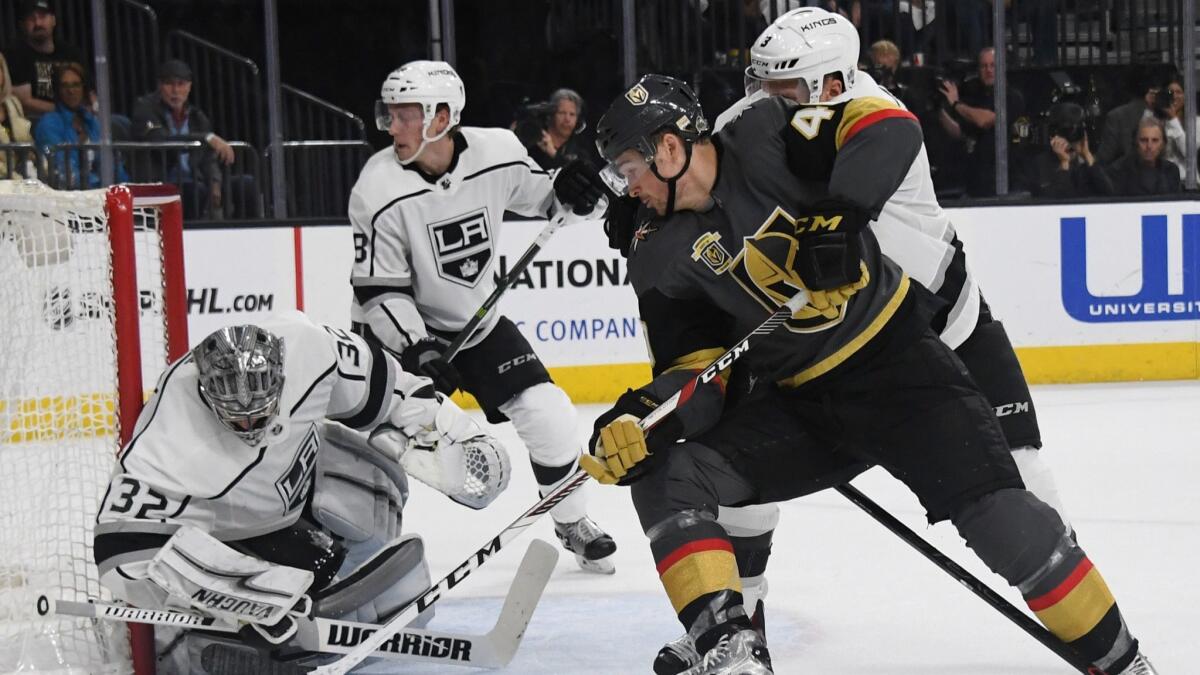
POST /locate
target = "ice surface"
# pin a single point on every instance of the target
(846, 596)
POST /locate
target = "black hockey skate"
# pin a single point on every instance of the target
(1139, 666)
(593, 548)
(680, 654)
(738, 652)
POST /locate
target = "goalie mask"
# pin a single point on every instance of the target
(804, 44)
(657, 103)
(241, 378)
(429, 84)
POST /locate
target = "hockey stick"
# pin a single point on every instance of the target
(494, 649)
(970, 581)
(569, 485)
(515, 271)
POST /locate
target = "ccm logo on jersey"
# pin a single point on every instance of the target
(451, 649)
(462, 247)
(513, 363)
(293, 484)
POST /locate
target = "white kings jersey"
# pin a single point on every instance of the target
(182, 466)
(914, 231)
(425, 248)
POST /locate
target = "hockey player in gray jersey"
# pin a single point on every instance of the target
(744, 219)
(246, 494)
(793, 58)
(426, 214)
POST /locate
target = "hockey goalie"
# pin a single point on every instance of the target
(251, 491)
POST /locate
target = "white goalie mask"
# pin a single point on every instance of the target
(804, 44)
(427, 83)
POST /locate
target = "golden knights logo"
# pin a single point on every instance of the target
(637, 95)
(462, 247)
(766, 267)
(708, 249)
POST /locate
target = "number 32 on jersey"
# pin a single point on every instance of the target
(807, 121)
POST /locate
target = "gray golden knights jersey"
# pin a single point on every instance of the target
(182, 466)
(913, 230)
(425, 248)
(705, 279)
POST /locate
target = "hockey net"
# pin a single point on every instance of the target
(92, 307)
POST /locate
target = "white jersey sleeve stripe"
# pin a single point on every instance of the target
(376, 391)
(496, 167)
(380, 212)
(312, 386)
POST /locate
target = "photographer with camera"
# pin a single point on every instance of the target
(551, 130)
(1068, 168)
(1145, 171)
(970, 118)
(1121, 123)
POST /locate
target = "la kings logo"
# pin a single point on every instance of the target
(293, 484)
(462, 247)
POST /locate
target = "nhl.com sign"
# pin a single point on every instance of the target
(1154, 301)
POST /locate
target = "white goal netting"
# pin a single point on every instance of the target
(58, 413)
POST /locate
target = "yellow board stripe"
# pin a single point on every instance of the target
(700, 573)
(1111, 363)
(50, 418)
(1072, 617)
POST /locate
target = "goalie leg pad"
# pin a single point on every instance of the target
(359, 494)
(380, 586)
(202, 573)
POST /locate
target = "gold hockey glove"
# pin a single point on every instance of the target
(620, 447)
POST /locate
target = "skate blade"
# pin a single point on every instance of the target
(600, 566)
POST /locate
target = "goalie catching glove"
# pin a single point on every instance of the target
(440, 445)
(621, 450)
(199, 572)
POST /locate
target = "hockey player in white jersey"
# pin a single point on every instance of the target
(810, 55)
(250, 493)
(426, 214)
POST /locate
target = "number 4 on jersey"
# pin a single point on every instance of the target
(808, 120)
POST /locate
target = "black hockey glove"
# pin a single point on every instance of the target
(830, 249)
(579, 186)
(425, 358)
(620, 222)
(621, 452)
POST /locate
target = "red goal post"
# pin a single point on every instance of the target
(94, 300)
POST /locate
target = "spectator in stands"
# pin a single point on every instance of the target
(1120, 124)
(14, 127)
(970, 118)
(1068, 168)
(33, 60)
(552, 132)
(72, 122)
(1145, 172)
(166, 115)
(1172, 117)
(885, 61)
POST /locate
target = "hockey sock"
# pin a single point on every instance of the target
(1071, 599)
(696, 563)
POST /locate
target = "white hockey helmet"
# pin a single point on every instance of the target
(805, 44)
(428, 83)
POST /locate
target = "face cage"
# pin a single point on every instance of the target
(249, 424)
(249, 420)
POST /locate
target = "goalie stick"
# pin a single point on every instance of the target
(560, 218)
(494, 649)
(552, 498)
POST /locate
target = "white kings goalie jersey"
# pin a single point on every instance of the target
(182, 466)
(914, 231)
(425, 247)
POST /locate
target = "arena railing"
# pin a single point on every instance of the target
(226, 85)
(242, 183)
(309, 118)
(322, 174)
